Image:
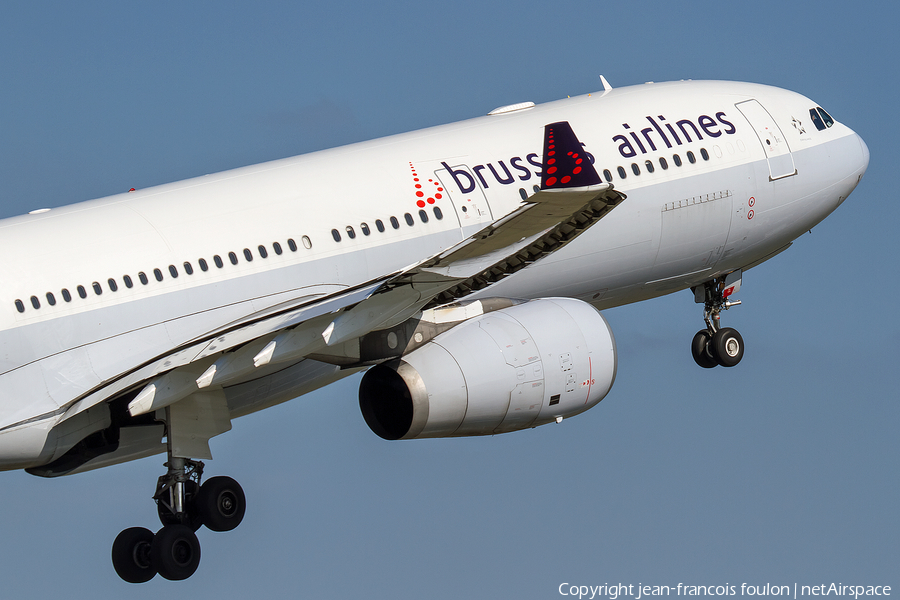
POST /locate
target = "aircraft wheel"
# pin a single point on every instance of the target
(727, 347)
(131, 555)
(701, 350)
(175, 552)
(221, 503)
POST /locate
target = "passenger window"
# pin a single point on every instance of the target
(248, 255)
(423, 215)
(649, 165)
(204, 266)
(263, 253)
(218, 260)
(82, 293)
(128, 283)
(523, 194)
(158, 274)
(677, 160)
(35, 302)
(635, 169)
(336, 235)
(704, 153)
(277, 248)
(395, 223)
(607, 175)
(113, 286)
(232, 257)
(188, 268)
(97, 289)
(20, 306)
(143, 277)
(438, 214)
(350, 233)
(173, 271)
(409, 219)
(307, 243)
(621, 172)
(293, 245)
(536, 189)
(663, 163)
(66, 295)
(364, 227)
(51, 299)
(691, 158)
(379, 225)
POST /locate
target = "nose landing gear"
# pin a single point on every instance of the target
(717, 345)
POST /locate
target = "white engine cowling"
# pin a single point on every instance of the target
(506, 370)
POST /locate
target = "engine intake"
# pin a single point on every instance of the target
(506, 370)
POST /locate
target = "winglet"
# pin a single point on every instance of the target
(566, 164)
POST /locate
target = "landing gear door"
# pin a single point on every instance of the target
(778, 153)
(467, 197)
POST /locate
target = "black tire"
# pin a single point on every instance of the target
(175, 552)
(131, 555)
(727, 347)
(701, 350)
(221, 503)
(194, 519)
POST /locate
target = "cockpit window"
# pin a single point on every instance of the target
(825, 116)
(820, 118)
(816, 119)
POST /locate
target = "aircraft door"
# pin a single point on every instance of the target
(778, 153)
(468, 198)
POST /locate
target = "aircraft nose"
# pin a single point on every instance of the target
(864, 159)
(857, 159)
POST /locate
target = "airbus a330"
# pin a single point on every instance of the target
(462, 266)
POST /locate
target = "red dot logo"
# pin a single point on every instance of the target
(421, 200)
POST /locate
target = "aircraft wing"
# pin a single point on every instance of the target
(564, 208)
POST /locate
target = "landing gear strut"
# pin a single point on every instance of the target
(183, 505)
(717, 345)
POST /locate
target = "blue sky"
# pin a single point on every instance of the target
(782, 470)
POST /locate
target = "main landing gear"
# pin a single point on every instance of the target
(717, 345)
(183, 506)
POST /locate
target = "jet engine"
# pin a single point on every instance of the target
(510, 369)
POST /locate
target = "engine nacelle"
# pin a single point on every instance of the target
(506, 370)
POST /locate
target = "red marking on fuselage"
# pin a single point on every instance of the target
(590, 379)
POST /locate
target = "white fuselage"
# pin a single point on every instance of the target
(732, 206)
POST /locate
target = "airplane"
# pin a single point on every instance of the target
(463, 267)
